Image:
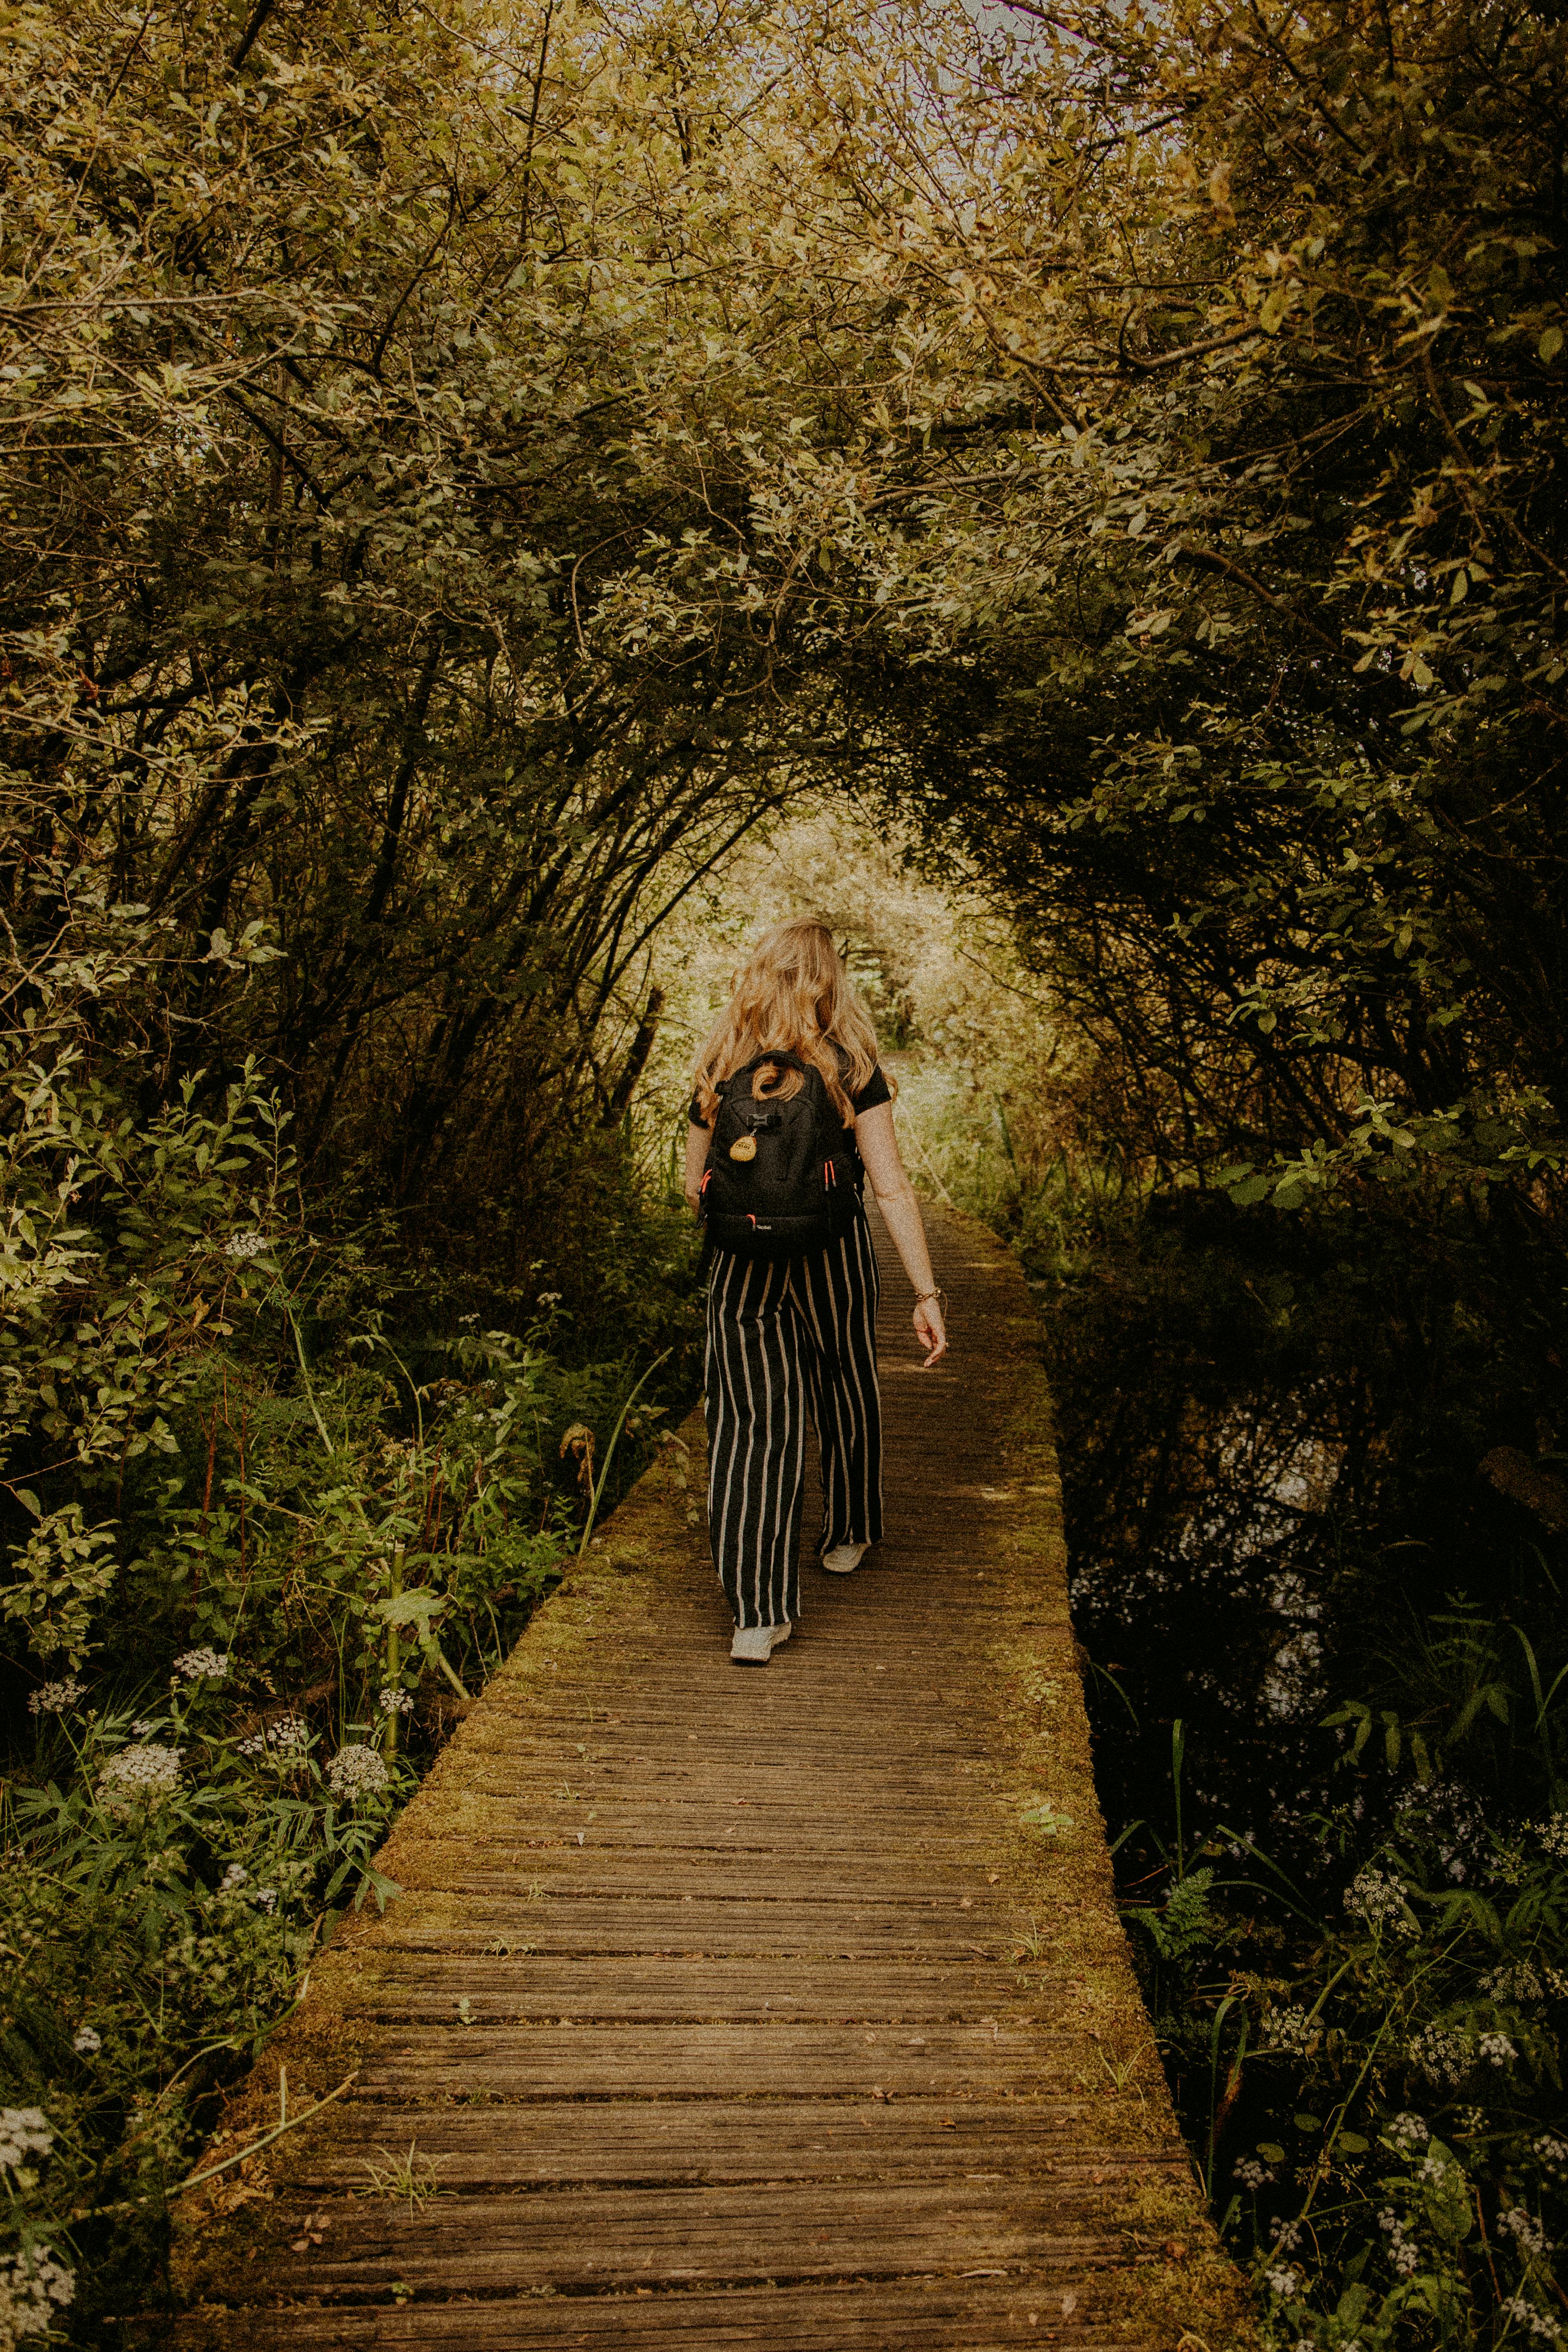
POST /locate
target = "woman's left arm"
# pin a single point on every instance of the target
(697, 1142)
(895, 1197)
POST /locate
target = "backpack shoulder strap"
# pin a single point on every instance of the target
(761, 1060)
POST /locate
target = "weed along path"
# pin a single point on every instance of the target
(783, 2007)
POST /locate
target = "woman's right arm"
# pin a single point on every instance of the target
(900, 1206)
(697, 1142)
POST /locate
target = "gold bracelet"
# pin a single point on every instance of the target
(923, 1296)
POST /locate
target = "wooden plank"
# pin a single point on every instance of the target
(593, 2238)
(572, 2061)
(598, 1872)
(687, 2140)
(940, 2315)
(841, 1931)
(666, 1987)
(487, 1834)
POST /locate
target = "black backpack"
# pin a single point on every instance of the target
(780, 1176)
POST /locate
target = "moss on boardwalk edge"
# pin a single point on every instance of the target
(1179, 2287)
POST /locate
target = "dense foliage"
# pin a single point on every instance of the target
(1238, 594)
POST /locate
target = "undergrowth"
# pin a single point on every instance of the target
(1329, 1682)
(272, 1512)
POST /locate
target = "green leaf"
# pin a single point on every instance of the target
(1447, 2195)
(411, 1608)
(1551, 343)
(1047, 1821)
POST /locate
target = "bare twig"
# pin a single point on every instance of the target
(195, 2180)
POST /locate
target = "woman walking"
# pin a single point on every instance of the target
(790, 1112)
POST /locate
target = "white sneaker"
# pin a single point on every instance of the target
(754, 1644)
(843, 1558)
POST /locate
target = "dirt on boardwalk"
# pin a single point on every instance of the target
(781, 2007)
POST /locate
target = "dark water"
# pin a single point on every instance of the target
(1203, 1533)
(1273, 1502)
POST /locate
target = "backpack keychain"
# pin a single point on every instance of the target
(744, 1148)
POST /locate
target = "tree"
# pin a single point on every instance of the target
(1228, 553)
(385, 581)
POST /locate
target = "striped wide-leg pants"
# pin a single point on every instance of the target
(782, 1338)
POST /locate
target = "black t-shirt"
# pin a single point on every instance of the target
(875, 1091)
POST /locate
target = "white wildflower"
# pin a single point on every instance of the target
(54, 1698)
(1291, 2030)
(1551, 2152)
(1554, 1836)
(1407, 2133)
(357, 1771)
(244, 1246)
(285, 1741)
(1282, 2281)
(1378, 1901)
(395, 1702)
(1498, 2049)
(1403, 2250)
(23, 2132)
(1251, 2174)
(140, 1777)
(1287, 2236)
(1449, 1816)
(33, 2287)
(1541, 2325)
(1442, 2055)
(88, 2041)
(1515, 2221)
(235, 1884)
(1518, 1982)
(202, 1666)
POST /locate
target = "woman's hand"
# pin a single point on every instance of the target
(929, 1332)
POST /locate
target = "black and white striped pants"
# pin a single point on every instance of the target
(781, 1338)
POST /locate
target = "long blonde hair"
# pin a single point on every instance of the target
(794, 996)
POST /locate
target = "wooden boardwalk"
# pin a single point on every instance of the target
(732, 2006)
